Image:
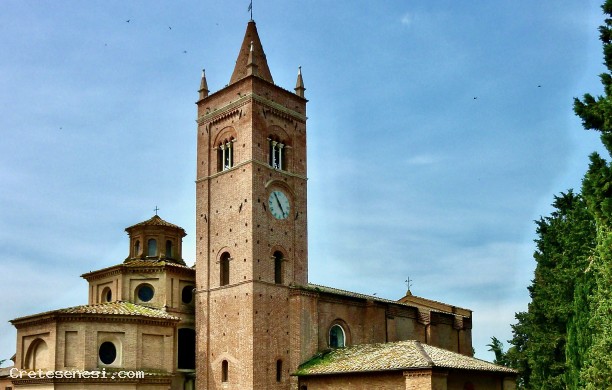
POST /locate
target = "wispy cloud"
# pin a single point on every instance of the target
(407, 19)
(423, 159)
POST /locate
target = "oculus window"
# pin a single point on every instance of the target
(107, 352)
(145, 292)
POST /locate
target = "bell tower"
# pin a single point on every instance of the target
(250, 224)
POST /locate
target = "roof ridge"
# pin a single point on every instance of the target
(424, 353)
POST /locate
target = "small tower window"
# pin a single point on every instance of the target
(225, 154)
(107, 294)
(152, 247)
(136, 248)
(277, 154)
(107, 352)
(279, 370)
(336, 337)
(224, 371)
(278, 267)
(145, 292)
(169, 248)
(187, 295)
(225, 269)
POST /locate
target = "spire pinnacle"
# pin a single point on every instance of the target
(203, 86)
(251, 65)
(251, 55)
(299, 84)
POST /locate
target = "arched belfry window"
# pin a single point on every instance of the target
(224, 265)
(225, 154)
(278, 267)
(152, 247)
(337, 337)
(277, 156)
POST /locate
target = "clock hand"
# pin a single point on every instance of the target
(279, 203)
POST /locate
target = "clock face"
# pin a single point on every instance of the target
(279, 204)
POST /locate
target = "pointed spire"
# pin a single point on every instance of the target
(251, 65)
(251, 52)
(203, 86)
(299, 85)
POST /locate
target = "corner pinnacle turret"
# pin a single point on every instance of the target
(299, 84)
(203, 86)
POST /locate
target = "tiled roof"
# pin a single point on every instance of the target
(138, 263)
(154, 263)
(155, 221)
(401, 355)
(346, 293)
(331, 290)
(119, 308)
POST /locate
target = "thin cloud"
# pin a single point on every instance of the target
(407, 19)
(423, 159)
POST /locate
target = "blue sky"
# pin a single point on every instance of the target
(437, 133)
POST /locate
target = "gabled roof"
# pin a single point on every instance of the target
(259, 57)
(337, 291)
(396, 356)
(118, 308)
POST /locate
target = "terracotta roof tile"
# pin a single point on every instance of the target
(331, 290)
(155, 221)
(401, 355)
(119, 308)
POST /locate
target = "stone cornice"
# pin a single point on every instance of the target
(232, 109)
(240, 165)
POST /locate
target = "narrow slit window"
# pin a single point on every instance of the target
(279, 370)
(224, 371)
(224, 269)
(278, 267)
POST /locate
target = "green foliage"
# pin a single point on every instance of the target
(497, 347)
(565, 241)
(564, 340)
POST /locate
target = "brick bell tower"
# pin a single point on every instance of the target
(250, 225)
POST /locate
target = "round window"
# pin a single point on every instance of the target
(107, 352)
(187, 294)
(145, 292)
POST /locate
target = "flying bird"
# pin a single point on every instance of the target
(127, 21)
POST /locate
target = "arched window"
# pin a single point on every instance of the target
(279, 370)
(169, 249)
(337, 337)
(152, 247)
(136, 248)
(277, 155)
(278, 267)
(107, 294)
(187, 295)
(224, 371)
(37, 356)
(186, 349)
(225, 269)
(225, 154)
